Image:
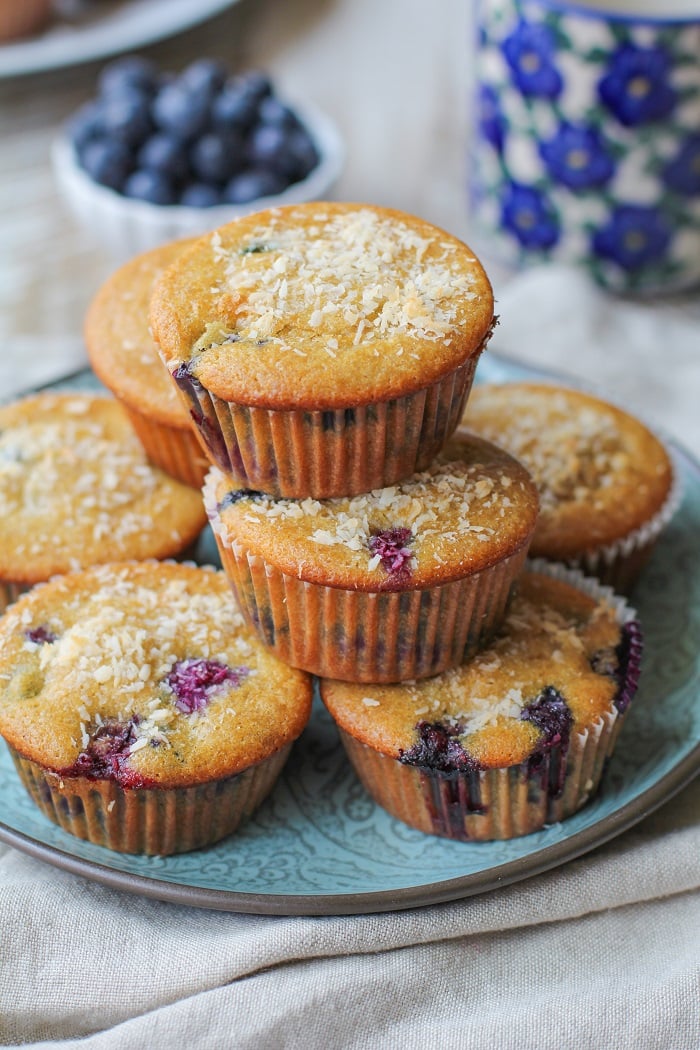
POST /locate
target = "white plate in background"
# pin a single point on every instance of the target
(84, 30)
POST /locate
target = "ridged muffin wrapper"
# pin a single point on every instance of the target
(149, 820)
(503, 803)
(364, 636)
(619, 564)
(176, 450)
(10, 592)
(299, 453)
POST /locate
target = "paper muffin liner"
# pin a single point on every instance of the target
(176, 450)
(365, 636)
(10, 592)
(153, 821)
(299, 453)
(619, 564)
(504, 803)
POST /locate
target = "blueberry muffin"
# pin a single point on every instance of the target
(123, 355)
(401, 582)
(323, 349)
(606, 482)
(76, 490)
(513, 740)
(140, 712)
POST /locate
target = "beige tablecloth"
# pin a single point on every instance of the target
(601, 953)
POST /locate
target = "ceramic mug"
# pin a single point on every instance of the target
(586, 146)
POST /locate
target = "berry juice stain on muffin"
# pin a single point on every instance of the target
(399, 582)
(122, 682)
(498, 746)
(193, 682)
(106, 754)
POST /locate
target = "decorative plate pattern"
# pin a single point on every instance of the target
(586, 146)
(320, 845)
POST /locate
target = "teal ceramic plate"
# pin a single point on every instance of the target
(320, 845)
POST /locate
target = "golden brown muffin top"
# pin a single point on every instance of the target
(120, 342)
(76, 489)
(475, 506)
(143, 673)
(496, 708)
(322, 306)
(601, 474)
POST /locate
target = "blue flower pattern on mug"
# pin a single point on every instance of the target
(634, 193)
(682, 174)
(492, 124)
(527, 213)
(636, 87)
(529, 51)
(634, 236)
(578, 157)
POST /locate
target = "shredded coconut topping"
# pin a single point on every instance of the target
(131, 639)
(445, 501)
(77, 478)
(570, 450)
(370, 272)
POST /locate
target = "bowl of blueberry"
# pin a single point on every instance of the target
(158, 156)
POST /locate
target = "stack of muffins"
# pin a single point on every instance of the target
(324, 355)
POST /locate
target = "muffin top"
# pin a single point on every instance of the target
(550, 671)
(601, 474)
(120, 342)
(145, 674)
(76, 490)
(473, 507)
(322, 306)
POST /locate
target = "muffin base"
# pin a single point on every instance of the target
(175, 450)
(482, 805)
(300, 453)
(152, 821)
(485, 805)
(369, 636)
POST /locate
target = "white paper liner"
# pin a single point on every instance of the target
(618, 564)
(152, 821)
(364, 636)
(290, 454)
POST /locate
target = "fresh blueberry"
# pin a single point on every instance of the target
(266, 146)
(216, 156)
(107, 161)
(207, 74)
(180, 112)
(85, 124)
(234, 109)
(253, 183)
(132, 72)
(127, 117)
(200, 195)
(166, 154)
(304, 153)
(273, 112)
(151, 186)
(257, 84)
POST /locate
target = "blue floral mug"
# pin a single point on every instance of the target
(587, 138)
